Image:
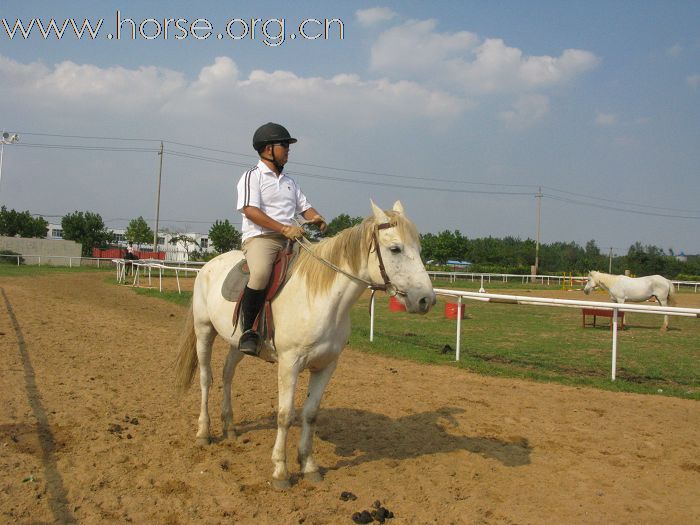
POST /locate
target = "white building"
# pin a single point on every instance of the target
(175, 250)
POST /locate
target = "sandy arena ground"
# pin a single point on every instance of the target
(91, 431)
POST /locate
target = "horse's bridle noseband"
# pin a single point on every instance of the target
(387, 287)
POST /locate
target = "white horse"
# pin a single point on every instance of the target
(312, 321)
(622, 289)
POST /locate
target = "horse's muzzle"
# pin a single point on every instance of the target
(420, 303)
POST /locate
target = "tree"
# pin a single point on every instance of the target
(187, 242)
(88, 229)
(224, 236)
(340, 223)
(14, 223)
(139, 232)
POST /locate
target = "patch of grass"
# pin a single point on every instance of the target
(544, 344)
(183, 299)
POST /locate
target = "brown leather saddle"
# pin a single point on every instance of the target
(236, 280)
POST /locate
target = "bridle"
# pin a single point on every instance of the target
(387, 286)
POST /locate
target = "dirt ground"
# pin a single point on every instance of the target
(91, 431)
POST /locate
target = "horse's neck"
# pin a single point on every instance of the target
(607, 280)
(342, 294)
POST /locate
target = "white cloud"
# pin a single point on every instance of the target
(461, 61)
(87, 85)
(694, 81)
(220, 87)
(675, 50)
(374, 15)
(605, 119)
(526, 111)
(414, 48)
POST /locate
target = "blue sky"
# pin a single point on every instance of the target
(461, 110)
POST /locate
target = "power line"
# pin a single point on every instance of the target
(612, 208)
(618, 201)
(205, 158)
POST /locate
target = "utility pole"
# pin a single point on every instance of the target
(6, 138)
(160, 174)
(539, 218)
(610, 261)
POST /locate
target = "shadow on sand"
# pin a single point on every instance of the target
(361, 436)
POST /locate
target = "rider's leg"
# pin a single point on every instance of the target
(260, 253)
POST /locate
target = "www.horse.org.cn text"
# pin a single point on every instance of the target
(269, 31)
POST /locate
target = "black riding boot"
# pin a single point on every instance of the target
(251, 303)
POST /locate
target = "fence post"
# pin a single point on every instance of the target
(459, 327)
(614, 343)
(371, 318)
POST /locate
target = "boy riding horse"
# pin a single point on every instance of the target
(269, 201)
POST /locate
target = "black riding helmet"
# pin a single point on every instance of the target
(271, 133)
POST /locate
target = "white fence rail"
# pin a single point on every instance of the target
(546, 301)
(559, 280)
(146, 266)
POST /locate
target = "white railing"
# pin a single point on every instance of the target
(559, 280)
(546, 301)
(147, 265)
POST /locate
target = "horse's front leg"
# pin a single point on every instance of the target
(234, 357)
(287, 375)
(664, 327)
(317, 385)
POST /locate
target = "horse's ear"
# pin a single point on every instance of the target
(398, 208)
(379, 214)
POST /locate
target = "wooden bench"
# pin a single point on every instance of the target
(601, 312)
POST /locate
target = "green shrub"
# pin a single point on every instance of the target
(10, 257)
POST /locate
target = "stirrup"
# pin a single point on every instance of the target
(249, 343)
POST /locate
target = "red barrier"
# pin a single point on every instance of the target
(451, 310)
(395, 305)
(119, 253)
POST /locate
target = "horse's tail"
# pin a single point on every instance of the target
(186, 361)
(671, 294)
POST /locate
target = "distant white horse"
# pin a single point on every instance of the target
(634, 289)
(312, 320)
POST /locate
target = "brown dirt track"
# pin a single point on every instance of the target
(91, 431)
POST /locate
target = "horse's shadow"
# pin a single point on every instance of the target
(361, 436)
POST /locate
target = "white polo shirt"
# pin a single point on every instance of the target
(278, 197)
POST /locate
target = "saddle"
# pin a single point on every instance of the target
(237, 279)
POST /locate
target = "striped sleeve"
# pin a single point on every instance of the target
(249, 189)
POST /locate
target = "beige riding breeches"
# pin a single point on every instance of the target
(260, 252)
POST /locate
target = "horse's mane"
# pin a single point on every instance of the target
(604, 278)
(348, 249)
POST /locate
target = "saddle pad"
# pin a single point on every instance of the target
(235, 281)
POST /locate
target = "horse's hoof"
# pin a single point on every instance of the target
(203, 441)
(313, 477)
(230, 435)
(281, 484)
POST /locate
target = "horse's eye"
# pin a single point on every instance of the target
(395, 249)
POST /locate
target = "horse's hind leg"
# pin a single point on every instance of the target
(317, 385)
(205, 337)
(232, 359)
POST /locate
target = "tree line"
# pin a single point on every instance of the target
(485, 254)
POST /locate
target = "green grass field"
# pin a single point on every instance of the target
(542, 343)
(531, 342)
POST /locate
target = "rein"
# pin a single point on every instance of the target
(387, 287)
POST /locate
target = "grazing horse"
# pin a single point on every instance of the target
(634, 289)
(312, 320)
